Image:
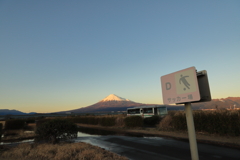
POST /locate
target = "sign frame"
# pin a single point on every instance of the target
(180, 87)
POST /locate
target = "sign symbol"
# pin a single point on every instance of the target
(190, 96)
(178, 98)
(173, 86)
(169, 99)
(168, 86)
(184, 81)
(174, 99)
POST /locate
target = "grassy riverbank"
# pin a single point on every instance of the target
(229, 141)
(214, 127)
(62, 151)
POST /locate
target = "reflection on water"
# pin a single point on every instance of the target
(101, 132)
(17, 142)
(155, 138)
(93, 131)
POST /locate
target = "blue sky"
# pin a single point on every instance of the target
(62, 55)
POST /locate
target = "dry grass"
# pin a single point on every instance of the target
(26, 133)
(165, 123)
(63, 151)
(17, 135)
(219, 122)
(120, 121)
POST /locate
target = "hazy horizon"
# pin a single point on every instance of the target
(97, 102)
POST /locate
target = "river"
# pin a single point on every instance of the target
(139, 147)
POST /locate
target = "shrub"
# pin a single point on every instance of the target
(222, 122)
(179, 121)
(133, 121)
(85, 120)
(30, 120)
(56, 129)
(94, 120)
(107, 121)
(1, 126)
(41, 121)
(120, 121)
(152, 120)
(165, 123)
(14, 124)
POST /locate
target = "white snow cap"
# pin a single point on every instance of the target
(113, 97)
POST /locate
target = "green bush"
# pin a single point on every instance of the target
(14, 124)
(152, 120)
(55, 130)
(133, 121)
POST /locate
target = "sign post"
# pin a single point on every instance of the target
(191, 131)
(183, 87)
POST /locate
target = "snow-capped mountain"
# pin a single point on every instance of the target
(110, 103)
(116, 103)
(113, 97)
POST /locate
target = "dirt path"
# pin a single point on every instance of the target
(228, 141)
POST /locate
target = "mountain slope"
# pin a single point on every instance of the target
(10, 112)
(110, 103)
(116, 103)
(229, 102)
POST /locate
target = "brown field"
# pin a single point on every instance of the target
(62, 151)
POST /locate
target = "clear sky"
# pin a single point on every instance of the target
(61, 55)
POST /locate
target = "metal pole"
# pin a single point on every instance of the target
(191, 131)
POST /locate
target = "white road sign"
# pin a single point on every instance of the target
(180, 87)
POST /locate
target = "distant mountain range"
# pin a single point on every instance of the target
(13, 112)
(227, 103)
(222, 103)
(116, 103)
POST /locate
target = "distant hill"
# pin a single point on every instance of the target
(10, 112)
(223, 103)
(13, 112)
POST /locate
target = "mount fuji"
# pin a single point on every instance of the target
(110, 103)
